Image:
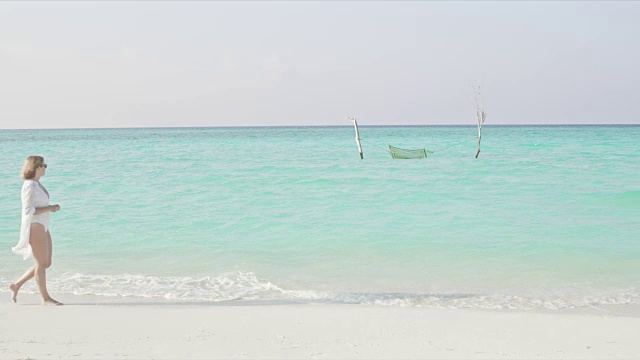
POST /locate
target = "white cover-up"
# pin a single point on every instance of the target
(33, 196)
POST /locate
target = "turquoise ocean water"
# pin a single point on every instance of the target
(548, 217)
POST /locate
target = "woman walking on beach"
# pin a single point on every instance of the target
(35, 239)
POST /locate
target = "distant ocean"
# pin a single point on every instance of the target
(548, 217)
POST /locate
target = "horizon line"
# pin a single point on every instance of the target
(314, 126)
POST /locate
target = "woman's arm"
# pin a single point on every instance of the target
(50, 208)
(29, 201)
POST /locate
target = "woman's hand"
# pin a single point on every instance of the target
(54, 208)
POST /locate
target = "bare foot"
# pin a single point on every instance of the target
(51, 302)
(14, 292)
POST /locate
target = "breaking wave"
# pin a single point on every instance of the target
(248, 286)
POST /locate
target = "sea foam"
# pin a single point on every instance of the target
(247, 286)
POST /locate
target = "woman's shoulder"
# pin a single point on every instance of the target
(29, 184)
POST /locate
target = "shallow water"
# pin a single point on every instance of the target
(546, 217)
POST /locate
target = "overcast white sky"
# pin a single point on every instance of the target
(145, 64)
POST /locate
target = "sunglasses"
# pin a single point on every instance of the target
(44, 165)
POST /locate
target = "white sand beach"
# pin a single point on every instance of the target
(90, 330)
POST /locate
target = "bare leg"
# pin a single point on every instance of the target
(15, 288)
(40, 249)
(49, 249)
(50, 258)
(18, 284)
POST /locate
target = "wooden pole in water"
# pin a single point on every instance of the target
(478, 103)
(355, 124)
(481, 115)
